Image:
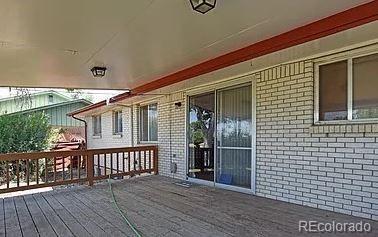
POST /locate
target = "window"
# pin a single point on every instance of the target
(96, 123)
(333, 91)
(365, 87)
(117, 122)
(51, 99)
(148, 126)
(348, 89)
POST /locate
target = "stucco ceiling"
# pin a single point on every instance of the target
(54, 43)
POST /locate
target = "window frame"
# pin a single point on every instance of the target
(114, 122)
(140, 123)
(50, 99)
(349, 58)
(94, 134)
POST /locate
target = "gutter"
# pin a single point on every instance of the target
(85, 129)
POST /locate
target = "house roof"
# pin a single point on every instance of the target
(86, 102)
(330, 25)
(49, 92)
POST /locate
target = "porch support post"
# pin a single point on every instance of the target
(156, 163)
(90, 168)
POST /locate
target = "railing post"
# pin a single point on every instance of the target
(90, 168)
(156, 161)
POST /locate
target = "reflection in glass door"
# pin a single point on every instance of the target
(201, 124)
(234, 136)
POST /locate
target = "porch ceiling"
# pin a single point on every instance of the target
(53, 43)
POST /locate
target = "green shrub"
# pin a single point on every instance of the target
(24, 133)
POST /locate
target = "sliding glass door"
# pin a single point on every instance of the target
(201, 124)
(226, 113)
(234, 136)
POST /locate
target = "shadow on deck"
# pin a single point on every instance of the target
(157, 207)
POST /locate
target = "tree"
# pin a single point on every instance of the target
(79, 94)
(24, 133)
(23, 98)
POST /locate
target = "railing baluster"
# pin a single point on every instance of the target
(149, 159)
(117, 162)
(98, 165)
(46, 180)
(140, 160)
(128, 161)
(54, 169)
(111, 163)
(18, 172)
(71, 167)
(78, 166)
(123, 162)
(144, 160)
(63, 169)
(27, 172)
(156, 155)
(134, 159)
(37, 170)
(8, 178)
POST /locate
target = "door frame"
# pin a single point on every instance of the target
(215, 88)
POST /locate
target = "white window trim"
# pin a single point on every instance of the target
(117, 133)
(148, 124)
(349, 58)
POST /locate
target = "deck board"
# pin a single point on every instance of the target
(99, 220)
(12, 225)
(76, 228)
(41, 222)
(157, 207)
(56, 223)
(26, 221)
(2, 218)
(79, 216)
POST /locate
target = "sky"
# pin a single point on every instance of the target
(96, 95)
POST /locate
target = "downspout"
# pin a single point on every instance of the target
(85, 129)
(170, 136)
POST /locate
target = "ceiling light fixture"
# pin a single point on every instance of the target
(98, 71)
(202, 6)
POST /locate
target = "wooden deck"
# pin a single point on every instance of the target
(158, 208)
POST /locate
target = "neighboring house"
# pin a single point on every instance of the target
(14, 104)
(52, 103)
(292, 132)
(57, 112)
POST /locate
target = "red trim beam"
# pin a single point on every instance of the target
(330, 25)
(345, 20)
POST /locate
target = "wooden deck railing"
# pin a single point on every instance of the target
(23, 171)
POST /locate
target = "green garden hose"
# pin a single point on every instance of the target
(128, 222)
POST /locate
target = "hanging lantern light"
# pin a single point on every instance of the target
(202, 6)
(98, 71)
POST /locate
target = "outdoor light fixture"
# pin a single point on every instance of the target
(98, 71)
(202, 6)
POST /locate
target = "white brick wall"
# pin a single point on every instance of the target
(107, 139)
(332, 167)
(171, 122)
